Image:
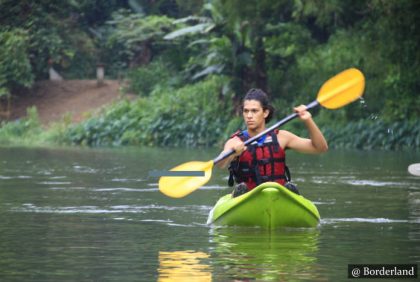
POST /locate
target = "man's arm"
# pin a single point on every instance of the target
(315, 145)
(237, 145)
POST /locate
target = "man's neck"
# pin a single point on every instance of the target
(256, 131)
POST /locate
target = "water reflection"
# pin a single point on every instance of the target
(76, 215)
(414, 216)
(183, 266)
(281, 255)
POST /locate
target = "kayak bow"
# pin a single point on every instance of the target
(269, 205)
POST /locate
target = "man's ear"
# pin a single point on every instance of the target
(266, 113)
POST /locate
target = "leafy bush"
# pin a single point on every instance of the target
(134, 39)
(368, 134)
(190, 116)
(15, 68)
(23, 130)
(143, 80)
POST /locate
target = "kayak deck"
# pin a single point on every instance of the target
(269, 205)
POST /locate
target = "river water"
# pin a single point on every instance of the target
(71, 214)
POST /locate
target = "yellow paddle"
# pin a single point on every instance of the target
(337, 92)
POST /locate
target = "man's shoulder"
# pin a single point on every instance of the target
(284, 137)
(283, 133)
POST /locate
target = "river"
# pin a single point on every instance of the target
(79, 214)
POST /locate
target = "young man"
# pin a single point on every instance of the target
(264, 160)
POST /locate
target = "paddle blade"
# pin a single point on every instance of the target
(414, 169)
(342, 89)
(180, 186)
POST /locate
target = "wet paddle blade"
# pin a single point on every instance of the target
(342, 89)
(180, 186)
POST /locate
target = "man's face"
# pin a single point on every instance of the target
(254, 115)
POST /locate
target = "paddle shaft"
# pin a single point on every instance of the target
(271, 128)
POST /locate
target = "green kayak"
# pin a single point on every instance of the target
(269, 205)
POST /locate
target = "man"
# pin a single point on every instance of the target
(264, 160)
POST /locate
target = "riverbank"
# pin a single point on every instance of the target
(75, 99)
(196, 115)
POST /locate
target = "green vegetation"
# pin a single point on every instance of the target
(15, 68)
(145, 79)
(368, 134)
(21, 131)
(187, 116)
(190, 62)
(29, 131)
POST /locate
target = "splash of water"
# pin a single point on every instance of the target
(372, 116)
(362, 102)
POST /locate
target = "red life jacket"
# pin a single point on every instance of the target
(260, 162)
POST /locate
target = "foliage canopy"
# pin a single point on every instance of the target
(288, 48)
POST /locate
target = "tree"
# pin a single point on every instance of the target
(381, 41)
(139, 36)
(15, 68)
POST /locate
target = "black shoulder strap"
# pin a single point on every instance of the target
(287, 173)
(275, 141)
(239, 133)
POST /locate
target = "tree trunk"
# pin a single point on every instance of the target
(260, 72)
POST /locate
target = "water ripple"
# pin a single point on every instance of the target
(55, 182)
(31, 208)
(84, 169)
(324, 203)
(367, 220)
(375, 183)
(5, 177)
(125, 189)
(15, 177)
(125, 180)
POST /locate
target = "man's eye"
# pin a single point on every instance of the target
(250, 111)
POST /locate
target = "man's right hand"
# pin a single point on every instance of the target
(239, 148)
(235, 144)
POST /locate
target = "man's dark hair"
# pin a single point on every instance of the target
(260, 96)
